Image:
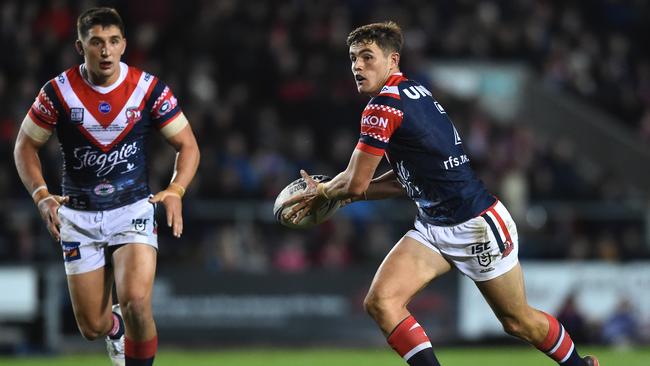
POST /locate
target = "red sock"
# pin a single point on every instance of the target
(140, 353)
(558, 344)
(410, 341)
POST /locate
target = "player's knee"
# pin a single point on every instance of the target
(136, 307)
(376, 305)
(522, 327)
(91, 329)
(512, 326)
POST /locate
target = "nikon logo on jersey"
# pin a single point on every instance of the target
(375, 121)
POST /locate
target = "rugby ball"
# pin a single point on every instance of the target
(315, 217)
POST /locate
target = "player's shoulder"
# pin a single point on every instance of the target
(138, 77)
(413, 90)
(60, 79)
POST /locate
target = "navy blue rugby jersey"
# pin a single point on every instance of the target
(103, 132)
(412, 129)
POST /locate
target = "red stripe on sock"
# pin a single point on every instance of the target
(140, 350)
(406, 336)
(552, 336)
(564, 348)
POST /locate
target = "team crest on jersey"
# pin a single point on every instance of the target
(133, 115)
(77, 115)
(104, 107)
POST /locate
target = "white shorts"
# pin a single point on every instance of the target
(85, 235)
(482, 248)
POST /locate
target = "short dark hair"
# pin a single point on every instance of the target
(387, 35)
(98, 16)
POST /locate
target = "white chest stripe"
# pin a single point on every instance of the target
(104, 136)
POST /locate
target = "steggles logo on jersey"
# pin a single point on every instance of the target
(103, 163)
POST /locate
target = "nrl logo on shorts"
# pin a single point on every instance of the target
(139, 224)
(77, 115)
(484, 259)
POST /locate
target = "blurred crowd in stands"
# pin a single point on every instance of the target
(268, 90)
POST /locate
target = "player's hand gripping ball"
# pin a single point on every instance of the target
(318, 215)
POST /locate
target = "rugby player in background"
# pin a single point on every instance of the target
(459, 223)
(102, 112)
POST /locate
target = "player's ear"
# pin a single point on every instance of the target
(79, 46)
(124, 47)
(394, 59)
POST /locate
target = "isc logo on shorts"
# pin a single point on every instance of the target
(71, 250)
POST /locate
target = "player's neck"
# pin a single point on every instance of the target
(99, 80)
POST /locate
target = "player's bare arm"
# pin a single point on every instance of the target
(383, 187)
(30, 139)
(187, 161)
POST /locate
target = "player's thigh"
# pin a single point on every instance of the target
(135, 269)
(407, 268)
(90, 293)
(506, 294)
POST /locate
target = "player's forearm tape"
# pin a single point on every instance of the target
(320, 190)
(175, 126)
(35, 131)
(38, 189)
(176, 189)
(40, 194)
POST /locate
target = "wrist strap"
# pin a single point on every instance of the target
(320, 190)
(40, 193)
(176, 188)
(38, 189)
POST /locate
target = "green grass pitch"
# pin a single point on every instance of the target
(496, 356)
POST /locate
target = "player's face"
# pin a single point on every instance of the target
(371, 67)
(102, 49)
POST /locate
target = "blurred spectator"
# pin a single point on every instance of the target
(573, 320)
(620, 328)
